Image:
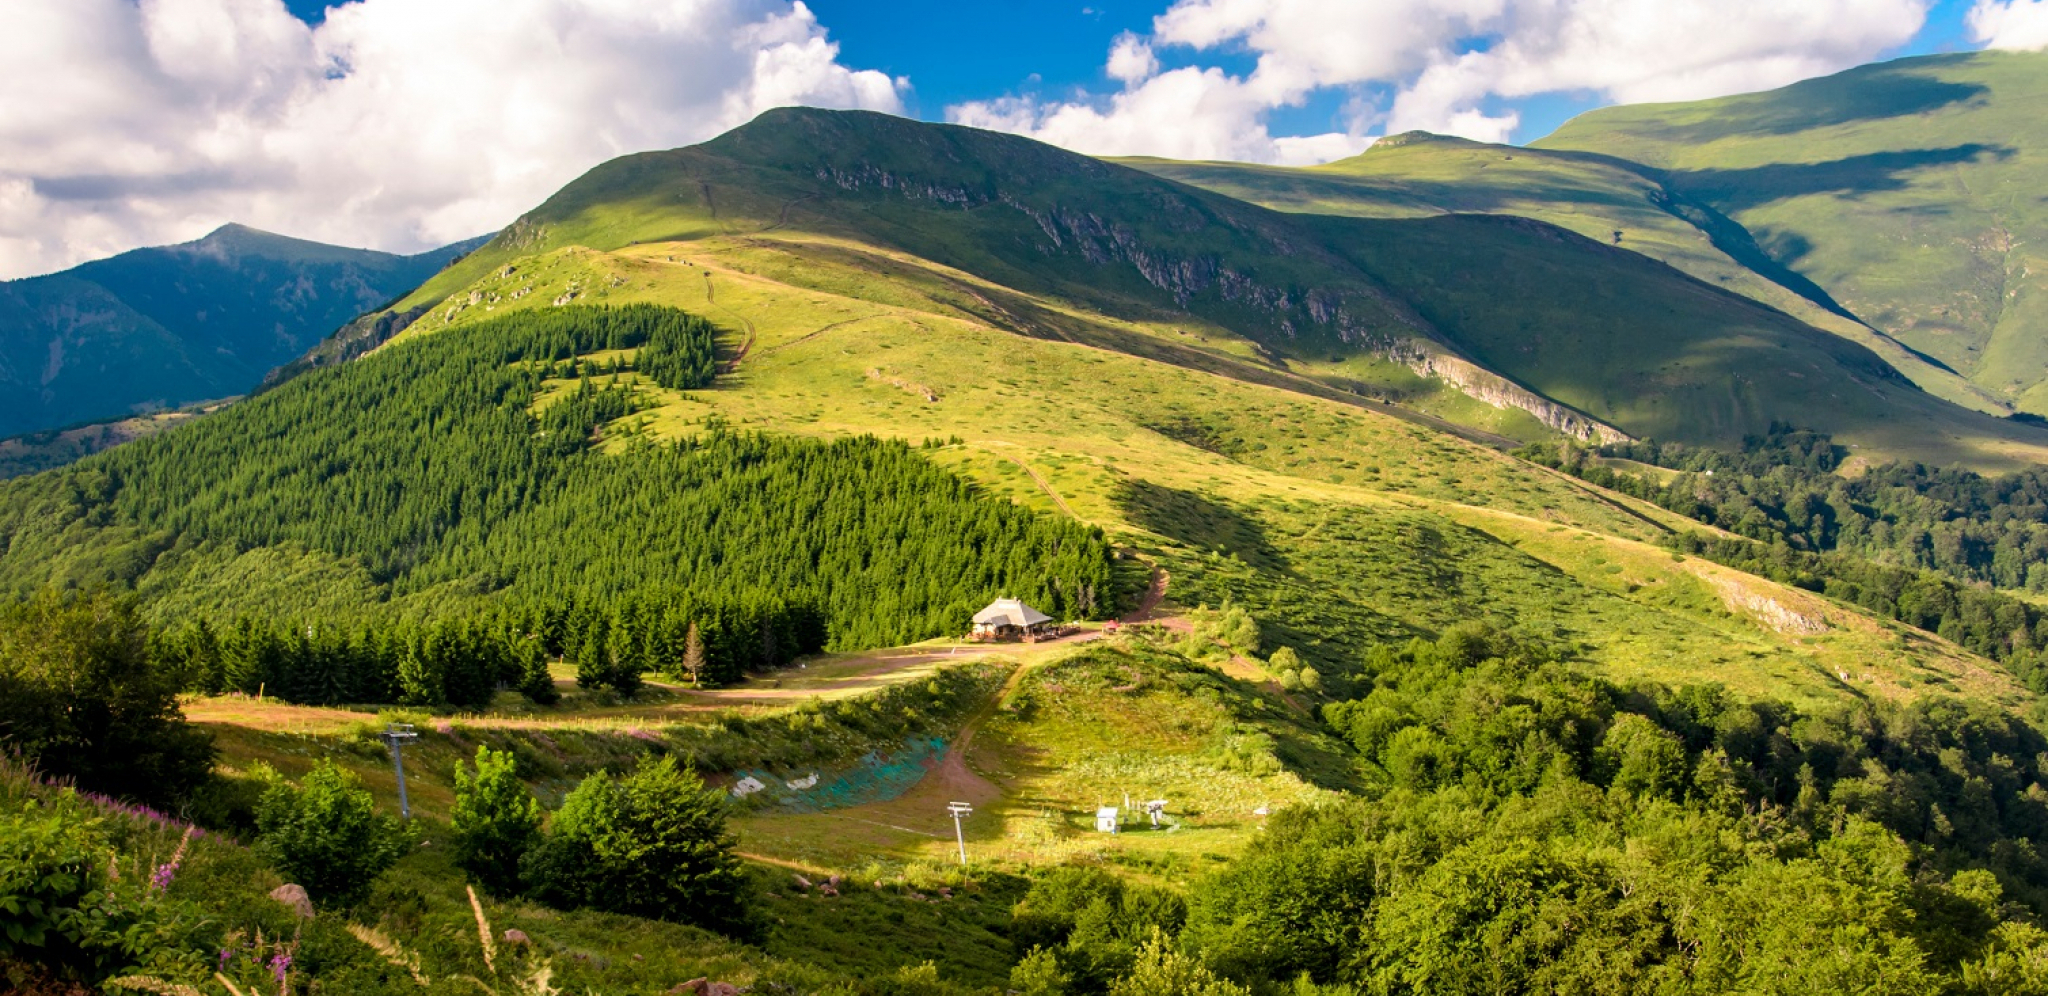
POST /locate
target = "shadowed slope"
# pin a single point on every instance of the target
(161, 327)
(1909, 190)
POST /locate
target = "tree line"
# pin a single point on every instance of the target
(479, 494)
(1907, 542)
(1784, 485)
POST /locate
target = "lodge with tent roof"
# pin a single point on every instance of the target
(1011, 619)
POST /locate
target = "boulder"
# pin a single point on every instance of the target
(801, 882)
(517, 938)
(295, 897)
(692, 986)
(721, 989)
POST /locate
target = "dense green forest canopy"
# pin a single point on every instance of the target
(487, 470)
(1531, 828)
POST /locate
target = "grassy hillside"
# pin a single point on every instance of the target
(1906, 190)
(159, 328)
(1336, 520)
(1065, 247)
(1610, 201)
(1426, 716)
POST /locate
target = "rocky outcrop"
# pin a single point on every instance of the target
(1482, 384)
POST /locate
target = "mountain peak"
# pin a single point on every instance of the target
(235, 241)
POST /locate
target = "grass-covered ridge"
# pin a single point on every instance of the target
(1055, 243)
(1607, 200)
(1904, 189)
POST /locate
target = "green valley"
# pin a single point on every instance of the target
(1452, 577)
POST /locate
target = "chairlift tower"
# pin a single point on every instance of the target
(960, 811)
(397, 735)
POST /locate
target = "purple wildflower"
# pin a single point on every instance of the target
(225, 954)
(278, 964)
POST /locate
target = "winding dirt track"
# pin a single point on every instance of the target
(1045, 486)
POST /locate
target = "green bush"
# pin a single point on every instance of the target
(652, 844)
(325, 833)
(80, 699)
(495, 821)
(1163, 970)
(1085, 925)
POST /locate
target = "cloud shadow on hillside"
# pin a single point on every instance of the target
(1198, 522)
(1874, 93)
(1736, 190)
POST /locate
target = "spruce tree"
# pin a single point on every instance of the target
(535, 682)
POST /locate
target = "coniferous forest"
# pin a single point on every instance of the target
(473, 504)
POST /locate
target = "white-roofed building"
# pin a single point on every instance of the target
(1009, 618)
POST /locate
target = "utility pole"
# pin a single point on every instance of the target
(959, 811)
(398, 735)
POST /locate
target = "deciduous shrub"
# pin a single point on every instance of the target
(62, 905)
(652, 844)
(80, 699)
(495, 821)
(326, 835)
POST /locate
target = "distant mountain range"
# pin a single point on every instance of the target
(163, 327)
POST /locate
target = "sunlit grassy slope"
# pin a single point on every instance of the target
(1909, 190)
(1062, 247)
(1337, 521)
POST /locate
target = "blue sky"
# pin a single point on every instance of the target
(954, 52)
(1056, 47)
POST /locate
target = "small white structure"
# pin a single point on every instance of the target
(1157, 810)
(747, 786)
(1105, 819)
(804, 783)
(1009, 618)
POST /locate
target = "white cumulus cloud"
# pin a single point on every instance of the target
(2018, 25)
(1440, 65)
(399, 124)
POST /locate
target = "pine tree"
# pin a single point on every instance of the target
(593, 666)
(622, 660)
(535, 682)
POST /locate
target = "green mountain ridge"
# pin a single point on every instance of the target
(1574, 340)
(1605, 199)
(1908, 190)
(163, 327)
